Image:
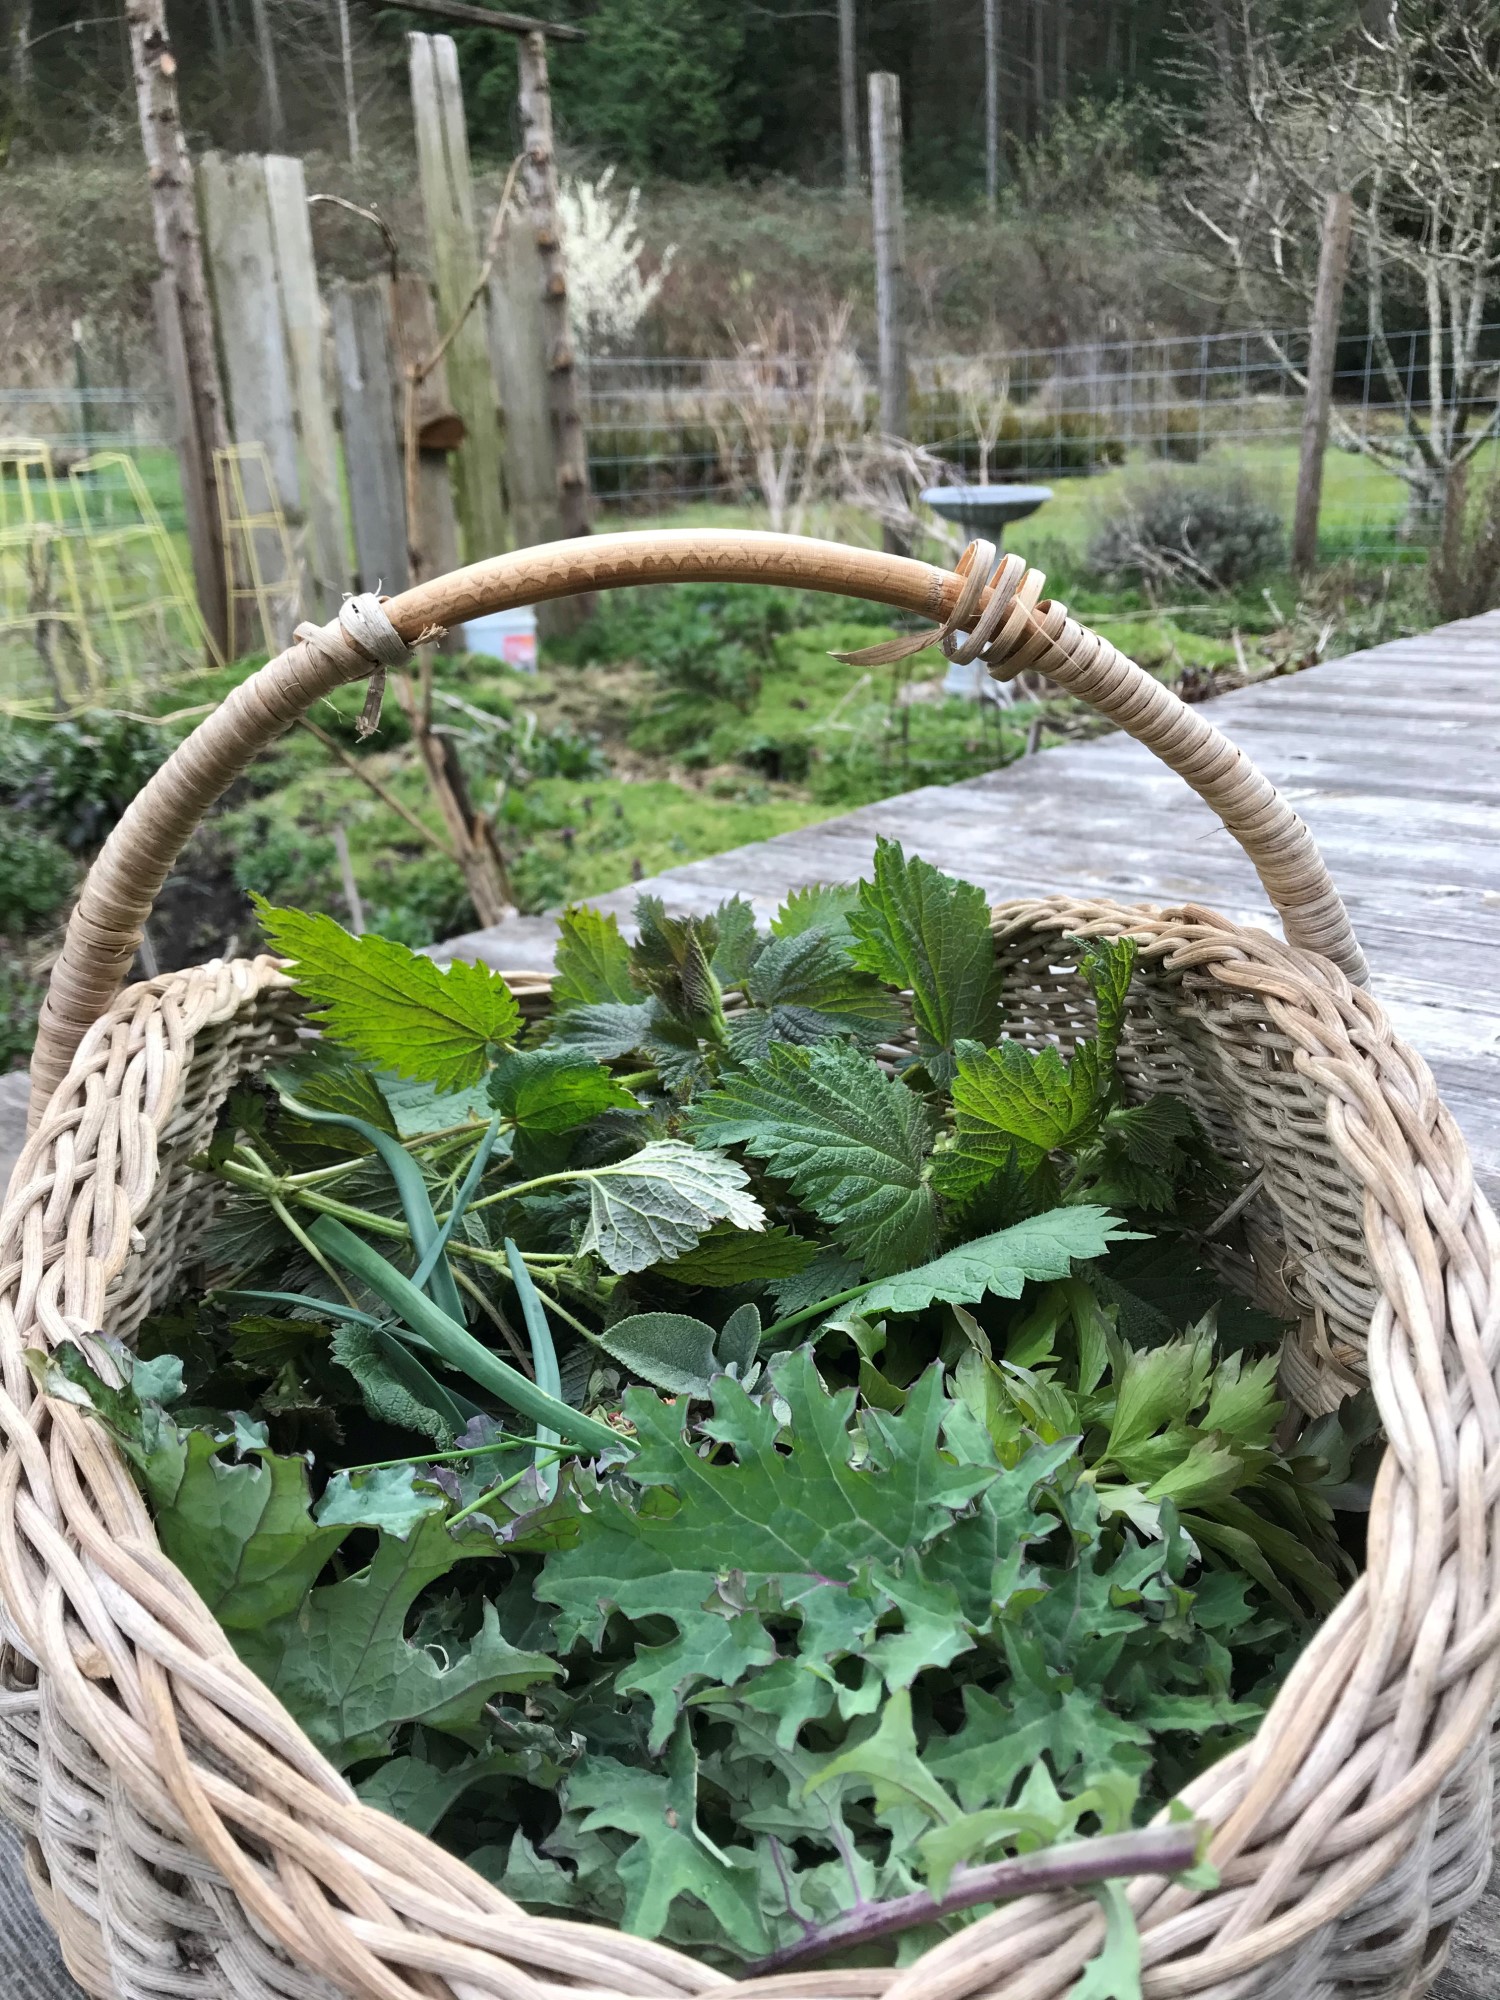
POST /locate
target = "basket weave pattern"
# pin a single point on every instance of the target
(187, 1840)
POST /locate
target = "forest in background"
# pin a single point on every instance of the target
(726, 113)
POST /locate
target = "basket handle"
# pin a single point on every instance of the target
(1005, 622)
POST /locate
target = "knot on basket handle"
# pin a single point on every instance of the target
(996, 636)
(363, 622)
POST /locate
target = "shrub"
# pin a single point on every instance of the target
(1210, 532)
(74, 779)
(36, 878)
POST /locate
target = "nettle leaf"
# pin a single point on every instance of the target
(344, 1666)
(593, 960)
(605, 1030)
(919, 928)
(554, 1090)
(391, 1006)
(808, 989)
(1028, 1099)
(655, 1205)
(739, 944)
(1105, 966)
(418, 1108)
(726, 1257)
(824, 906)
(1041, 1249)
(850, 1140)
(329, 1079)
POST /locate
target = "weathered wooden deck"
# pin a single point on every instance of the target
(1392, 756)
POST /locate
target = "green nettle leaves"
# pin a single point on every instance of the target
(593, 961)
(655, 1205)
(397, 1010)
(554, 1090)
(916, 927)
(851, 1142)
(681, 1624)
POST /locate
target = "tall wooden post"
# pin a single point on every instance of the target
(890, 260)
(302, 324)
(370, 397)
(1333, 267)
(518, 351)
(539, 178)
(184, 315)
(266, 49)
(448, 205)
(346, 66)
(991, 101)
(848, 96)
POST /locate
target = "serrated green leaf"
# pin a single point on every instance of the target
(1150, 1132)
(851, 1142)
(329, 1079)
(656, 1204)
(345, 1667)
(1046, 1247)
(418, 1108)
(824, 906)
(389, 1005)
(738, 945)
(919, 928)
(420, 1793)
(809, 989)
(605, 1030)
(727, 1256)
(1105, 966)
(1030, 1099)
(593, 960)
(554, 1090)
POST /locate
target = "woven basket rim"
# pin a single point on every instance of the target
(1389, 1698)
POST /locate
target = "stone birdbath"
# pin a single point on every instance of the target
(983, 512)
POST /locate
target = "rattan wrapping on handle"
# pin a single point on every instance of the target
(1014, 630)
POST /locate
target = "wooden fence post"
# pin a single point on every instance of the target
(370, 392)
(518, 352)
(1333, 267)
(539, 177)
(848, 96)
(432, 525)
(890, 261)
(183, 314)
(302, 318)
(237, 229)
(991, 101)
(448, 204)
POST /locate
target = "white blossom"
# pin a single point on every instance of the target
(608, 292)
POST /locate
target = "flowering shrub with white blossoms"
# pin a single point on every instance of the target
(608, 292)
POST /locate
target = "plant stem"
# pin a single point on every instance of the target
(1154, 1850)
(289, 1222)
(442, 1457)
(823, 1306)
(495, 1492)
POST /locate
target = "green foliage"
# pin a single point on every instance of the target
(680, 1624)
(72, 780)
(916, 927)
(37, 878)
(1210, 532)
(851, 1143)
(392, 1007)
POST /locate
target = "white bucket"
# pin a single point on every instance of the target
(505, 635)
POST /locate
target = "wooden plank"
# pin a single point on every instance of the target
(302, 321)
(890, 261)
(368, 401)
(433, 537)
(448, 204)
(242, 264)
(518, 354)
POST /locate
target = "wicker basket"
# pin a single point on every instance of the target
(187, 1840)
